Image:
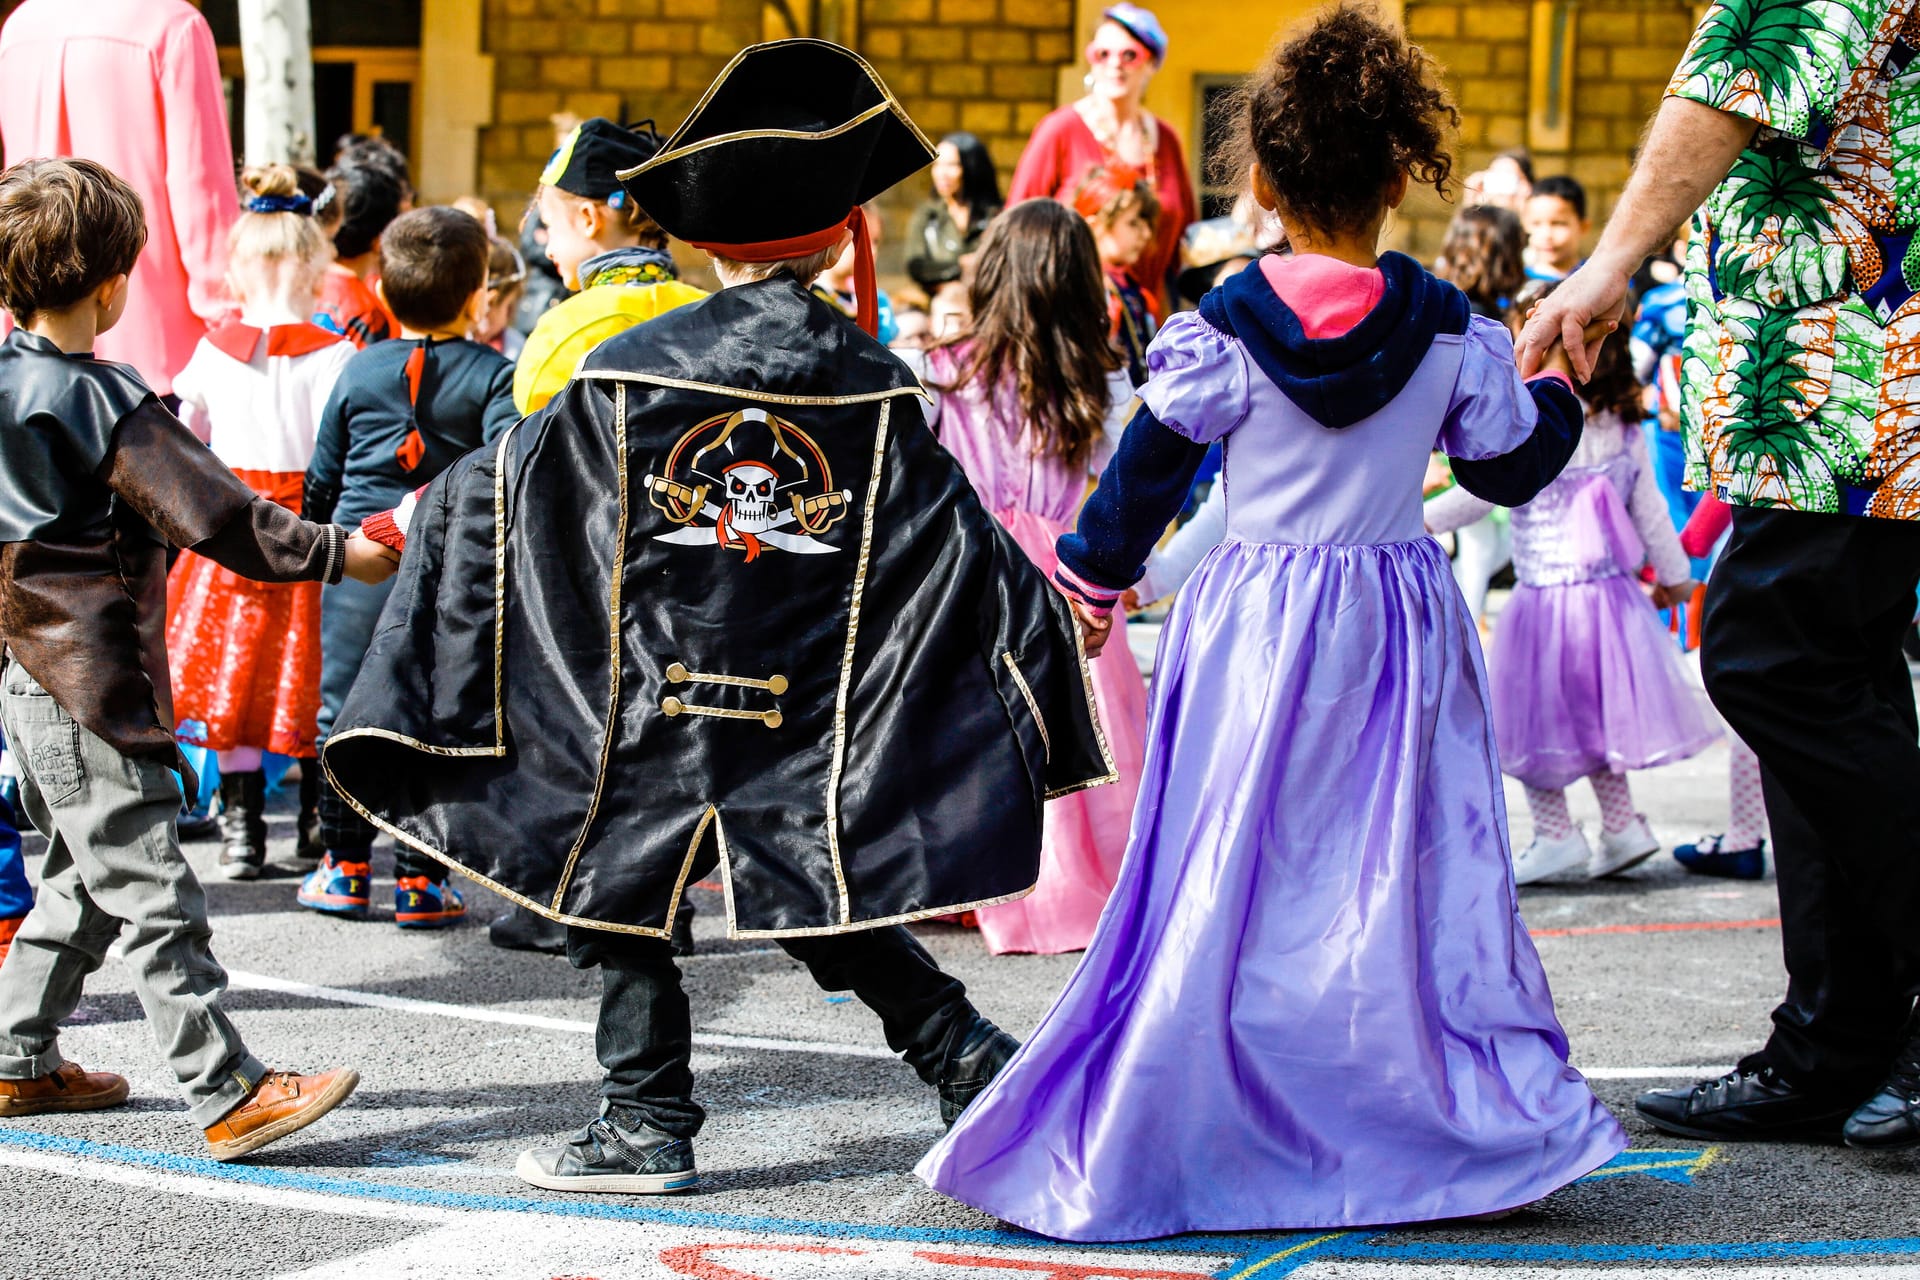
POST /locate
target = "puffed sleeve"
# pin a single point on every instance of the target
(1508, 439)
(1198, 381)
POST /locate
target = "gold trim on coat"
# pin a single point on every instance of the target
(612, 722)
(767, 397)
(1046, 743)
(846, 661)
(1099, 731)
(673, 707)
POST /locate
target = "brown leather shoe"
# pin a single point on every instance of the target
(70, 1088)
(279, 1105)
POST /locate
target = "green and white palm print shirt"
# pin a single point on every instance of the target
(1801, 369)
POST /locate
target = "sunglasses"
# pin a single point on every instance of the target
(1127, 57)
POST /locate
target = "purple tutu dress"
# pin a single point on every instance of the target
(1311, 1001)
(1585, 679)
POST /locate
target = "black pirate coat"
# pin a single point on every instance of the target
(725, 596)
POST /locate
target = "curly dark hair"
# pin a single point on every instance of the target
(1340, 109)
(1614, 387)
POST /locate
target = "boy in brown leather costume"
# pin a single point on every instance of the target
(96, 478)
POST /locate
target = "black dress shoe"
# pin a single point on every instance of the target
(1745, 1105)
(981, 1054)
(523, 930)
(1891, 1117)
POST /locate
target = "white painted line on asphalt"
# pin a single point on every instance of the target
(536, 1021)
(1651, 1073)
(207, 1188)
(722, 1040)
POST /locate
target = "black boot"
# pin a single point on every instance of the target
(523, 930)
(307, 842)
(1891, 1117)
(979, 1054)
(243, 824)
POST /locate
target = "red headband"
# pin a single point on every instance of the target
(865, 289)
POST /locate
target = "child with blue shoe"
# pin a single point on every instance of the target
(401, 413)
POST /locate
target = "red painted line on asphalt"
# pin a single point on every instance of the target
(1664, 926)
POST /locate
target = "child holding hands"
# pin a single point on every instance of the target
(96, 478)
(1586, 683)
(1311, 1001)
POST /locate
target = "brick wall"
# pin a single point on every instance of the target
(1624, 52)
(639, 58)
(988, 66)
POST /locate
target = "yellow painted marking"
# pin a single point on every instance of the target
(1284, 1254)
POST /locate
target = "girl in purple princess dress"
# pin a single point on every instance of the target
(1311, 1001)
(1026, 401)
(1586, 682)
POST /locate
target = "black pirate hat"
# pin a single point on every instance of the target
(778, 156)
(589, 160)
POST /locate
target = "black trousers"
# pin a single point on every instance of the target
(1801, 653)
(644, 1037)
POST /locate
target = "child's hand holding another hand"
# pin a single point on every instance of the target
(368, 561)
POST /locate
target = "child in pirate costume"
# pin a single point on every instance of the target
(727, 603)
(604, 246)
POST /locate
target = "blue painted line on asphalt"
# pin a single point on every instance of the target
(1235, 1246)
(1268, 1256)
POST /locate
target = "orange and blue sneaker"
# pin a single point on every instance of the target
(337, 887)
(423, 903)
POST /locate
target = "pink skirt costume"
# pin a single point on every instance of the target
(1584, 677)
(1086, 832)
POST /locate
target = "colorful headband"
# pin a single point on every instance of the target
(1103, 184)
(280, 204)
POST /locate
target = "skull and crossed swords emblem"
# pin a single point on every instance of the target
(760, 480)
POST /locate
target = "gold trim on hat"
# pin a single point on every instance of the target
(673, 150)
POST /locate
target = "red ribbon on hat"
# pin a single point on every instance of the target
(866, 290)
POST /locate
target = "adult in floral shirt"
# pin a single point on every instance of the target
(1793, 126)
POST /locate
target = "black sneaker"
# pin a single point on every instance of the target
(1745, 1105)
(1890, 1119)
(605, 1158)
(983, 1051)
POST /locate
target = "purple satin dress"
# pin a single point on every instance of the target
(1311, 1001)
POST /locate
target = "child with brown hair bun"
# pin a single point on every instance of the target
(245, 655)
(1311, 1001)
(1119, 204)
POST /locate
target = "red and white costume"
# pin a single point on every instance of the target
(245, 655)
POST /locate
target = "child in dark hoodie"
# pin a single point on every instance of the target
(1314, 946)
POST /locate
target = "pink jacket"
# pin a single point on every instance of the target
(134, 85)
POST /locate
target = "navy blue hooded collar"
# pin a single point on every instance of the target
(1339, 381)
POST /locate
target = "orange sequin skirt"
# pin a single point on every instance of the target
(244, 656)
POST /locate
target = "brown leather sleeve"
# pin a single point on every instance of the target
(195, 501)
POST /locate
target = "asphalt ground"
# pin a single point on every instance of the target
(469, 1054)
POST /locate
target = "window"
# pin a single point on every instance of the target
(1211, 94)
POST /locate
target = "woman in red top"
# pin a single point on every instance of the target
(1111, 127)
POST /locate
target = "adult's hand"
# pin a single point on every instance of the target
(1577, 317)
(1688, 151)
